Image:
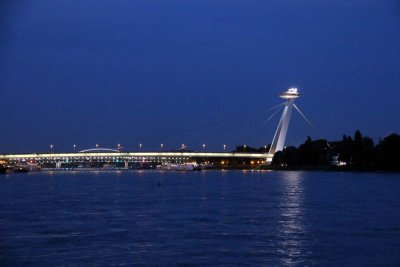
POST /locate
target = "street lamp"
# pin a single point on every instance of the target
(51, 148)
(204, 146)
(97, 145)
(119, 146)
(224, 147)
(265, 147)
(162, 146)
(140, 146)
(244, 147)
(74, 147)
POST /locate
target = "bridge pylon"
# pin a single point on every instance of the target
(280, 135)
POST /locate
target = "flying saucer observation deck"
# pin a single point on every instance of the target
(292, 93)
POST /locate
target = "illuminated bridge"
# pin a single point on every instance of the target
(131, 159)
(101, 157)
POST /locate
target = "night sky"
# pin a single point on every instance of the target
(194, 71)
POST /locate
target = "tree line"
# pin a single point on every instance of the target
(353, 153)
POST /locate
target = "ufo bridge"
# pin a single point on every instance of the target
(100, 157)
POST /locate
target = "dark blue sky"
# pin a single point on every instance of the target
(151, 72)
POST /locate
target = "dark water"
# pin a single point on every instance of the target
(214, 218)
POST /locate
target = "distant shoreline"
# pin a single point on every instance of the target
(328, 169)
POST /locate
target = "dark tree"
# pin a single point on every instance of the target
(357, 157)
(311, 153)
(387, 153)
(359, 153)
(307, 154)
(346, 149)
(286, 157)
(278, 159)
(368, 152)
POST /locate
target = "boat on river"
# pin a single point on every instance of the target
(179, 167)
(26, 167)
(5, 169)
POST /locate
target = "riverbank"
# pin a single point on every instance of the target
(326, 168)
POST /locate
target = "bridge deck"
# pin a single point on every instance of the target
(136, 154)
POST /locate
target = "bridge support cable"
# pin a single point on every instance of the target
(308, 121)
(184, 131)
(276, 112)
(220, 122)
(277, 108)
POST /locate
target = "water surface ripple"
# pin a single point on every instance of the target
(210, 218)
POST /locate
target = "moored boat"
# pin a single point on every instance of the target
(179, 167)
(5, 169)
(26, 167)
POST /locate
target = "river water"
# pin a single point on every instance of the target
(209, 218)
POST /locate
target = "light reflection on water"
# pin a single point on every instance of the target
(229, 218)
(292, 228)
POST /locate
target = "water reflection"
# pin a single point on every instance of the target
(292, 232)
